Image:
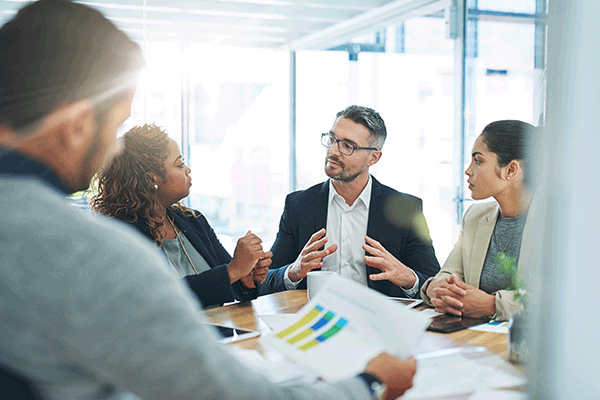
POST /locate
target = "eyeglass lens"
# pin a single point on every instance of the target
(344, 147)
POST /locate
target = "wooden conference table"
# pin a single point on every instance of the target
(246, 315)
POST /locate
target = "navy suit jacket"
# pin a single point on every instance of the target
(395, 220)
(16, 387)
(212, 287)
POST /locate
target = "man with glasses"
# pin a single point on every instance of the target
(352, 224)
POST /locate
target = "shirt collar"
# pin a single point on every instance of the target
(18, 165)
(365, 195)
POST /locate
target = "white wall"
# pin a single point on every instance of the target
(567, 323)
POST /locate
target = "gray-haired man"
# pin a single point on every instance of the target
(375, 235)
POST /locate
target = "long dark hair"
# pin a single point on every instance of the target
(125, 190)
(509, 140)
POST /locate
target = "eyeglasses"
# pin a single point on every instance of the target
(346, 148)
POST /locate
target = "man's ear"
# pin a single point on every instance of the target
(374, 157)
(61, 126)
(74, 125)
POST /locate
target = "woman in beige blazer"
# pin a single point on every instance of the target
(490, 230)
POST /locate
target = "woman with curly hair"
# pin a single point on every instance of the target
(144, 185)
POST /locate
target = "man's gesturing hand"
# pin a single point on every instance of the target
(311, 257)
(391, 268)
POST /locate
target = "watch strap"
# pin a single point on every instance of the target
(375, 386)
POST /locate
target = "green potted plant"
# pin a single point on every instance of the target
(518, 321)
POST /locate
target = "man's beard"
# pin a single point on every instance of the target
(343, 175)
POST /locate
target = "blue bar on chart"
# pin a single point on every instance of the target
(315, 327)
(334, 330)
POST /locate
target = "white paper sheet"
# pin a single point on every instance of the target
(277, 321)
(462, 373)
(430, 313)
(499, 395)
(408, 303)
(277, 370)
(493, 326)
(346, 325)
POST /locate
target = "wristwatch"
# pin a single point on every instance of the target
(375, 386)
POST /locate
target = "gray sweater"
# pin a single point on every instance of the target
(88, 310)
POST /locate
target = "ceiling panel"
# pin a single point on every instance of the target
(261, 23)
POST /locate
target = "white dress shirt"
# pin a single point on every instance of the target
(347, 227)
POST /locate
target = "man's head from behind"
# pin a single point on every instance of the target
(67, 77)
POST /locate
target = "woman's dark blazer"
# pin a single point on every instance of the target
(212, 286)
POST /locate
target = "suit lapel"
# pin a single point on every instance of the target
(196, 237)
(375, 209)
(373, 222)
(483, 234)
(321, 208)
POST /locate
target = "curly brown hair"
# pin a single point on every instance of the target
(125, 190)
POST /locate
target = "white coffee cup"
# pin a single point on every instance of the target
(315, 281)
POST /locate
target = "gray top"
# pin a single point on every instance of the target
(506, 238)
(90, 311)
(177, 256)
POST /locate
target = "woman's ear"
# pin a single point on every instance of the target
(512, 169)
(154, 179)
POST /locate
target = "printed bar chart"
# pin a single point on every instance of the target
(299, 331)
(328, 334)
(346, 315)
(318, 325)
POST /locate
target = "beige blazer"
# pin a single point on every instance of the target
(467, 257)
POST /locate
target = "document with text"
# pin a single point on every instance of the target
(344, 326)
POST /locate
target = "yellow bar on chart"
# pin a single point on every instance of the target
(300, 336)
(304, 321)
(308, 345)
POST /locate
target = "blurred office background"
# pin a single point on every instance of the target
(247, 87)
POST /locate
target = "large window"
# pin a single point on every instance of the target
(231, 109)
(411, 86)
(239, 138)
(158, 98)
(321, 91)
(505, 66)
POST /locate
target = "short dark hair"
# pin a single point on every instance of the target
(368, 118)
(54, 52)
(509, 140)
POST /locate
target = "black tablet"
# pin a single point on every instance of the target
(450, 323)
